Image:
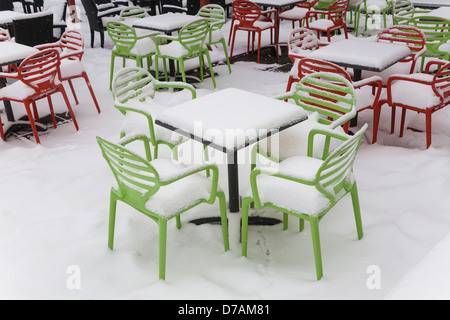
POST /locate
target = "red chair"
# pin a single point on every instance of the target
(71, 48)
(250, 18)
(309, 66)
(420, 92)
(298, 13)
(409, 36)
(37, 78)
(334, 19)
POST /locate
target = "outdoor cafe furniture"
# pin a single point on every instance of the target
(188, 44)
(332, 21)
(129, 45)
(229, 120)
(134, 91)
(403, 10)
(132, 13)
(215, 15)
(251, 19)
(307, 188)
(372, 7)
(161, 190)
(330, 100)
(298, 12)
(423, 93)
(431, 3)
(71, 49)
(6, 18)
(37, 78)
(437, 35)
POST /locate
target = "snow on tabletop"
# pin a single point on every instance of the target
(276, 2)
(231, 117)
(11, 51)
(168, 21)
(369, 54)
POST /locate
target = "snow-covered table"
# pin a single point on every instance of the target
(229, 120)
(443, 12)
(12, 53)
(431, 3)
(7, 16)
(362, 55)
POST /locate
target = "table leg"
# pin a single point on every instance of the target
(233, 182)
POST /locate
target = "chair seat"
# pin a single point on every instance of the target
(417, 95)
(216, 36)
(321, 24)
(16, 91)
(71, 68)
(179, 195)
(397, 68)
(263, 25)
(294, 13)
(144, 47)
(173, 49)
(292, 195)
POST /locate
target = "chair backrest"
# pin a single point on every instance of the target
(246, 12)
(4, 35)
(34, 28)
(337, 11)
(193, 35)
(410, 36)
(133, 12)
(309, 66)
(301, 40)
(441, 83)
(402, 10)
(335, 174)
(435, 29)
(214, 14)
(40, 70)
(133, 83)
(95, 23)
(123, 36)
(171, 6)
(72, 41)
(329, 94)
(135, 176)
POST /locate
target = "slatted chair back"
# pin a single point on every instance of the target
(337, 11)
(441, 84)
(402, 10)
(133, 12)
(123, 36)
(133, 83)
(301, 40)
(193, 36)
(246, 12)
(215, 15)
(72, 41)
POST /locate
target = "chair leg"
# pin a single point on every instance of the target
(92, 38)
(357, 211)
(111, 72)
(244, 234)
(85, 77)
(73, 91)
(226, 54)
(224, 219)
(376, 122)
(428, 127)
(112, 219)
(72, 115)
(2, 134)
(402, 122)
(33, 125)
(211, 68)
(162, 248)
(316, 246)
(259, 46)
(52, 112)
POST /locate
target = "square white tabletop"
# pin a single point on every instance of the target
(276, 3)
(362, 54)
(11, 52)
(167, 22)
(231, 119)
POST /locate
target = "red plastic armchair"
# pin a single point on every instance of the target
(333, 20)
(298, 13)
(409, 36)
(250, 18)
(363, 88)
(71, 48)
(37, 78)
(420, 92)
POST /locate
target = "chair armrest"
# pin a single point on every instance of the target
(371, 81)
(420, 53)
(438, 62)
(342, 120)
(274, 11)
(109, 12)
(328, 133)
(14, 75)
(177, 85)
(48, 46)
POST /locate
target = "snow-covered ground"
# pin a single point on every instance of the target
(55, 200)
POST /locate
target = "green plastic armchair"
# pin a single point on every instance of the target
(307, 188)
(134, 90)
(133, 13)
(128, 45)
(160, 189)
(330, 98)
(372, 7)
(437, 35)
(215, 15)
(189, 44)
(403, 10)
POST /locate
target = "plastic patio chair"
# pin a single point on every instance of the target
(188, 44)
(133, 13)
(37, 78)
(367, 91)
(420, 92)
(160, 189)
(307, 188)
(298, 12)
(34, 28)
(215, 15)
(403, 10)
(437, 35)
(372, 7)
(409, 36)
(134, 91)
(330, 100)
(71, 48)
(129, 45)
(332, 21)
(248, 17)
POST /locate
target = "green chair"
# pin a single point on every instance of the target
(189, 44)
(372, 7)
(403, 10)
(330, 99)
(161, 190)
(307, 188)
(437, 35)
(129, 45)
(134, 90)
(216, 17)
(133, 13)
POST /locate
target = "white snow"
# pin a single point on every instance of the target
(54, 208)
